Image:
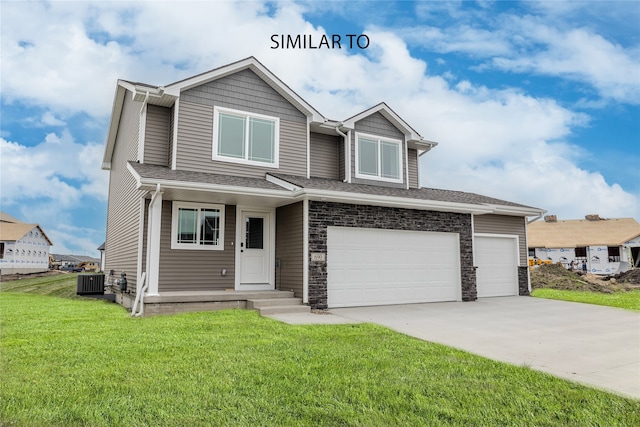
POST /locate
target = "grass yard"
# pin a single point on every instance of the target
(71, 362)
(60, 285)
(628, 300)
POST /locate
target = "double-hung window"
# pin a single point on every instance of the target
(197, 226)
(378, 158)
(247, 138)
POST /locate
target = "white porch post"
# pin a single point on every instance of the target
(153, 242)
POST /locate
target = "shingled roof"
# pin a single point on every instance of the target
(412, 193)
(285, 186)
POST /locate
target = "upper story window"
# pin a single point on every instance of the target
(378, 158)
(197, 226)
(245, 137)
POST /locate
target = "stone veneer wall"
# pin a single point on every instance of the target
(326, 214)
(523, 280)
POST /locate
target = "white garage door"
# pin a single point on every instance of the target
(497, 262)
(380, 267)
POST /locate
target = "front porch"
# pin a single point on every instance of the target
(173, 302)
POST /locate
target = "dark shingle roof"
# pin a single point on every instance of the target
(154, 172)
(413, 193)
(164, 173)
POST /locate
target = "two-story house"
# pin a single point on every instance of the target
(228, 184)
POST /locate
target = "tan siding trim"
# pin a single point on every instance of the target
(502, 224)
(289, 248)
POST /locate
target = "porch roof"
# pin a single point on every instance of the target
(278, 189)
(153, 173)
(430, 194)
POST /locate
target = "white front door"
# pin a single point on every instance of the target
(255, 250)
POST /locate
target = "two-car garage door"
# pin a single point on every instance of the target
(378, 267)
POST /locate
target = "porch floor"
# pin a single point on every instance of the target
(206, 296)
(185, 301)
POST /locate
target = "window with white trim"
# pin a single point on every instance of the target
(378, 158)
(197, 226)
(247, 138)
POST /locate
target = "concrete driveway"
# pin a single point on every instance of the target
(596, 345)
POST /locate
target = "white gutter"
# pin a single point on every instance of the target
(142, 127)
(536, 218)
(514, 210)
(347, 146)
(282, 183)
(392, 201)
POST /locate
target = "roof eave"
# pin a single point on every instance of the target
(515, 210)
(114, 123)
(392, 201)
(259, 69)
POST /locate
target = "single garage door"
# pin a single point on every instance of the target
(380, 267)
(497, 262)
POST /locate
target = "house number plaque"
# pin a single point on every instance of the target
(318, 256)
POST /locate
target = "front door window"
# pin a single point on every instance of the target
(254, 238)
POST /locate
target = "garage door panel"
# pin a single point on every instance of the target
(379, 267)
(497, 262)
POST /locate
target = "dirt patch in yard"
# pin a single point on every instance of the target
(10, 277)
(555, 276)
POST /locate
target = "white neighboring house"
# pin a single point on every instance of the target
(594, 244)
(24, 248)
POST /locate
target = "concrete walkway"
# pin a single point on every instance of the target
(596, 345)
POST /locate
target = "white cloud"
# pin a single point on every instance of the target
(577, 54)
(49, 119)
(540, 44)
(58, 168)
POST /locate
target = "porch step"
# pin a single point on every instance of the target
(269, 306)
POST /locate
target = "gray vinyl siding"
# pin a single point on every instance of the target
(195, 145)
(244, 91)
(502, 224)
(376, 124)
(156, 139)
(193, 270)
(325, 156)
(413, 168)
(289, 248)
(121, 248)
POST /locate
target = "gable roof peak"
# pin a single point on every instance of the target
(414, 139)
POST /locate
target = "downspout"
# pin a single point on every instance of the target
(406, 161)
(142, 127)
(142, 285)
(347, 168)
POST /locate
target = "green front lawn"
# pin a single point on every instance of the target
(86, 362)
(628, 300)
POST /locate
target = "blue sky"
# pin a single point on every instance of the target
(532, 102)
